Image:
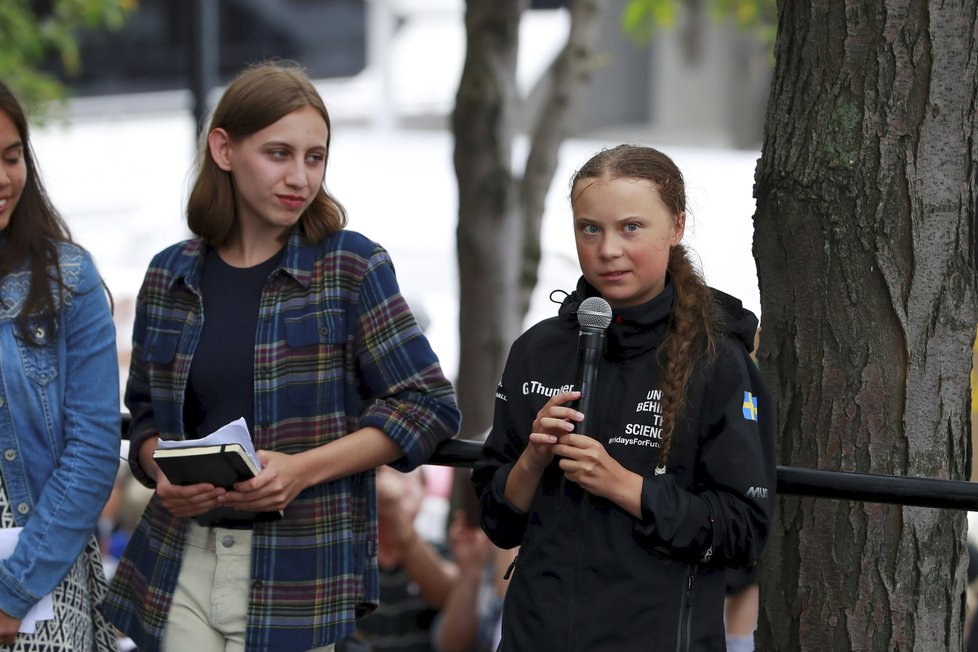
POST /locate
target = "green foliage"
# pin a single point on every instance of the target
(29, 35)
(642, 17)
(757, 16)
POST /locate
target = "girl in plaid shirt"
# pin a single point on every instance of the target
(276, 313)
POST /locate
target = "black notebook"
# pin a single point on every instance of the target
(222, 458)
(221, 465)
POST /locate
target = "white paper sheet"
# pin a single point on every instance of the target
(235, 432)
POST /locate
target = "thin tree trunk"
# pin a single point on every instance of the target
(488, 233)
(567, 79)
(865, 243)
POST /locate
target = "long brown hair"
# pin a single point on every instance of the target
(258, 97)
(691, 338)
(32, 234)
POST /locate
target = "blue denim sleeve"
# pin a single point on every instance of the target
(66, 512)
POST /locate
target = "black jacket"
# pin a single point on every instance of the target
(589, 576)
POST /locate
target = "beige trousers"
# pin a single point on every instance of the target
(210, 605)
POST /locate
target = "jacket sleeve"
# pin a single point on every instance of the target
(66, 512)
(724, 517)
(500, 519)
(407, 395)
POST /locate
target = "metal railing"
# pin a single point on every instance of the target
(815, 483)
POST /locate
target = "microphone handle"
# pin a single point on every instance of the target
(590, 348)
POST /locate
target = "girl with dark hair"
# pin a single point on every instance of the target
(625, 529)
(274, 313)
(59, 412)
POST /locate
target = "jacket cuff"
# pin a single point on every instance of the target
(675, 518)
(14, 600)
(136, 440)
(502, 521)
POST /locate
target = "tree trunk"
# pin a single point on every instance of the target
(489, 233)
(865, 244)
(500, 216)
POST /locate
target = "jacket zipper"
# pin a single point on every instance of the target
(686, 612)
(585, 499)
(576, 587)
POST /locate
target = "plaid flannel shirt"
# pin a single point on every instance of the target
(337, 349)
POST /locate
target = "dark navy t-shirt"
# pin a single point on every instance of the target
(220, 387)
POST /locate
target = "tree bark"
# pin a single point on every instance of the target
(500, 214)
(865, 244)
(489, 233)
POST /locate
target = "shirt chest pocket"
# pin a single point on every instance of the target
(311, 330)
(160, 346)
(40, 357)
(314, 358)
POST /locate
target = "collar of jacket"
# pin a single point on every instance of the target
(634, 331)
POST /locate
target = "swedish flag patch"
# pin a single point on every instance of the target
(750, 406)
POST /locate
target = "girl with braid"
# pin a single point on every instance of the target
(625, 530)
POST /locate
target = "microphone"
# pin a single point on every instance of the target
(593, 316)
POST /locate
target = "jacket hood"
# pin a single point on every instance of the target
(633, 331)
(739, 322)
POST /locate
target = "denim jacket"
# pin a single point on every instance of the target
(59, 427)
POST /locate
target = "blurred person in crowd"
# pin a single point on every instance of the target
(415, 576)
(59, 411)
(971, 592)
(740, 609)
(108, 522)
(276, 313)
(471, 618)
(625, 529)
(120, 515)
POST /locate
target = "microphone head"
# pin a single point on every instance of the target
(594, 314)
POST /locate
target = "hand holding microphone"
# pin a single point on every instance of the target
(584, 460)
(557, 416)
